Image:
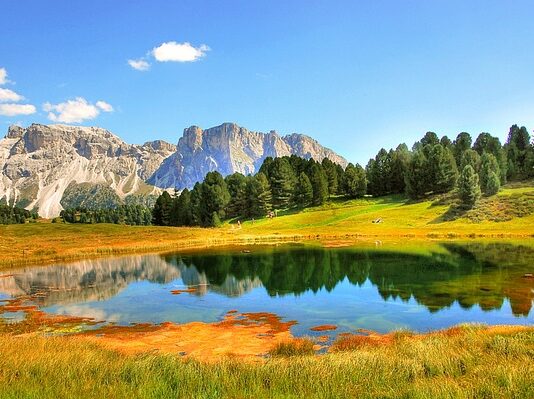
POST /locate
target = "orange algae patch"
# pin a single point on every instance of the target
(324, 327)
(260, 318)
(36, 320)
(249, 337)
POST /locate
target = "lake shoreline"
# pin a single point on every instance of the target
(78, 242)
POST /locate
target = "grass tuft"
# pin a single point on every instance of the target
(295, 347)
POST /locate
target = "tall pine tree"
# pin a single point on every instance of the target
(303, 191)
(468, 187)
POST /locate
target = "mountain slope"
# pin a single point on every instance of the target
(49, 167)
(39, 163)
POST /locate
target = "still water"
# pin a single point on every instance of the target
(378, 289)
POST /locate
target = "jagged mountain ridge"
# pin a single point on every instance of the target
(40, 163)
(43, 165)
(229, 148)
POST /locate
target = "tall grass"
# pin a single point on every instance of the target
(470, 364)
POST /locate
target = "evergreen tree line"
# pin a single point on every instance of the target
(281, 183)
(433, 166)
(436, 166)
(15, 215)
(135, 215)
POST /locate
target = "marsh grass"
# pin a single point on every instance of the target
(295, 347)
(469, 363)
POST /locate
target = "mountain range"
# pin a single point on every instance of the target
(51, 167)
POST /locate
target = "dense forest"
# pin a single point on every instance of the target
(136, 215)
(16, 215)
(433, 166)
(281, 183)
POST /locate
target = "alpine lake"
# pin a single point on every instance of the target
(348, 288)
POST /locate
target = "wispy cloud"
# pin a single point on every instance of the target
(104, 106)
(170, 52)
(17, 109)
(139, 65)
(7, 95)
(75, 111)
(3, 76)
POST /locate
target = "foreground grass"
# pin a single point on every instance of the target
(472, 363)
(337, 220)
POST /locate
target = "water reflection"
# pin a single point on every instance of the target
(487, 275)
(483, 274)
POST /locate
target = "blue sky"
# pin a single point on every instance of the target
(355, 75)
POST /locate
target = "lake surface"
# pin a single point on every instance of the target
(379, 289)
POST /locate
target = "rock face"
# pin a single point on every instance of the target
(39, 165)
(229, 148)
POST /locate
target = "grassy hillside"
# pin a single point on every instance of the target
(511, 211)
(509, 214)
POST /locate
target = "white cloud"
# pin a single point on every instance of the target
(3, 76)
(179, 52)
(17, 109)
(75, 111)
(104, 106)
(7, 95)
(139, 65)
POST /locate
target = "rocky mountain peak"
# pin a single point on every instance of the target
(45, 167)
(230, 148)
(14, 132)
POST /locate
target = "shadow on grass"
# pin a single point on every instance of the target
(454, 212)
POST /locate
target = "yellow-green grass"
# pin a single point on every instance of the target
(339, 220)
(472, 363)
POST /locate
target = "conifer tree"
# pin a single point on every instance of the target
(282, 182)
(443, 172)
(399, 166)
(430, 138)
(259, 196)
(470, 157)
(460, 145)
(417, 176)
(196, 199)
(184, 212)
(237, 187)
(488, 166)
(214, 198)
(161, 214)
(355, 181)
(519, 153)
(331, 175)
(468, 187)
(378, 172)
(319, 183)
(303, 191)
(493, 184)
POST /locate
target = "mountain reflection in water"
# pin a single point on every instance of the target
(470, 274)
